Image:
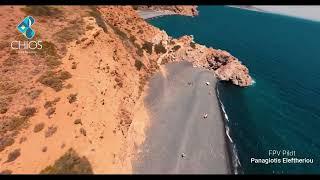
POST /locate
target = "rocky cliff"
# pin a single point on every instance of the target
(182, 10)
(164, 48)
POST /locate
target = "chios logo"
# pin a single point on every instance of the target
(25, 27)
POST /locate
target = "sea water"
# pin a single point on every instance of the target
(281, 111)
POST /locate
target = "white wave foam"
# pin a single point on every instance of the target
(234, 154)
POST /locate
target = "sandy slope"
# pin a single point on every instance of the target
(105, 106)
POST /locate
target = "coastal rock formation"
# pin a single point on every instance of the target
(225, 66)
(182, 10)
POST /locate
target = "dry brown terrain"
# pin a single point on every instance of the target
(76, 105)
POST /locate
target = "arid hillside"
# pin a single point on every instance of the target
(76, 105)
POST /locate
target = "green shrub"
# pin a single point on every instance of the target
(37, 10)
(72, 98)
(12, 123)
(140, 52)
(69, 163)
(176, 47)
(50, 54)
(38, 127)
(159, 48)
(13, 155)
(50, 131)
(54, 79)
(4, 104)
(28, 111)
(147, 46)
(5, 142)
(135, 7)
(193, 45)
(70, 33)
(138, 64)
(35, 93)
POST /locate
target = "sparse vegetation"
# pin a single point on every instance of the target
(83, 131)
(54, 79)
(12, 123)
(50, 131)
(140, 52)
(50, 54)
(22, 139)
(159, 48)
(132, 38)
(125, 121)
(28, 111)
(172, 42)
(74, 65)
(70, 33)
(193, 45)
(51, 111)
(38, 127)
(42, 10)
(34, 94)
(147, 46)
(12, 156)
(8, 87)
(164, 61)
(64, 75)
(72, 98)
(5, 141)
(77, 121)
(138, 64)
(176, 48)
(118, 81)
(69, 163)
(7, 171)
(142, 82)
(4, 104)
(51, 103)
(68, 86)
(44, 149)
(12, 60)
(140, 31)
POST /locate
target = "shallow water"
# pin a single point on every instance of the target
(281, 110)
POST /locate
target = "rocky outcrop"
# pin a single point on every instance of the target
(229, 68)
(182, 10)
(225, 66)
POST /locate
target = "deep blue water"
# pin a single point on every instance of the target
(282, 109)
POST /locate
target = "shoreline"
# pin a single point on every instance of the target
(300, 12)
(250, 8)
(185, 134)
(149, 14)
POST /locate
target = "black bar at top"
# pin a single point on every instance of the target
(159, 2)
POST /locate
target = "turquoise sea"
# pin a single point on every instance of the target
(281, 111)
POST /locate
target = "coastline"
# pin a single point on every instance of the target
(250, 8)
(149, 14)
(184, 135)
(302, 12)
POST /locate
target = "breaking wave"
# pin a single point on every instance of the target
(233, 153)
